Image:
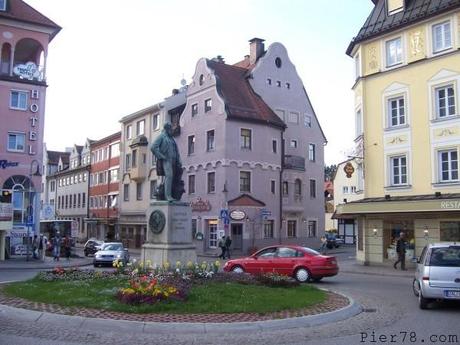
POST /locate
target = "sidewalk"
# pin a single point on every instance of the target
(385, 269)
(20, 262)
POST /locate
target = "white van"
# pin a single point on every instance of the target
(438, 273)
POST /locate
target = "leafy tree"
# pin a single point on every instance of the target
(329, 171)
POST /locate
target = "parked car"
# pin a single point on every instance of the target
(299, 262)
(109, 253)
(92, 246)
(437, 276)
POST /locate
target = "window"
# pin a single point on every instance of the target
(312, 228)
(245, 181)
(18, 100)
(278, 62)
(207, 105)
(395, 6)
(312, 189)
(445, 101)
(268, 229)
(293, 143)
(153, 189)
(285, 188)
(357, 66)
(191, 144)
(396, 112)
(278, 83)
(129, 132)
(52, 186)
(292, 228)
(134, 157)
(212, 233)
(191, 184)
(398, 170)
(194, 109)
(298, 188)
(442, 37)
(393, 50)
(154, 159)
(269, 81)
(194, 227)
(211, 182)
(288, 85)
(448, 165)
(274, 146)
(126, 192)
(450, 231)
(307, 121)
(273, 186)
(294, 117)
(113, 175)
(201, 80)
(16, 142)
(311, 152)
(353, 189)
(2, 5)
(210, 142)
(140, 127)
(114, 150)
(245, 138)
(359, 123)
(155, 122)
(139, 191)
(83, 200)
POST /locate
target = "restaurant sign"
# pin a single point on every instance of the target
(29, 71)
(7, 164)
(200, 205)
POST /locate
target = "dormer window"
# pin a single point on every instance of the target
(2, 5)
(395, 6)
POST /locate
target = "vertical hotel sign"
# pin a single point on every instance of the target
(6, 216)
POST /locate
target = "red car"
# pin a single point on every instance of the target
(302, 263)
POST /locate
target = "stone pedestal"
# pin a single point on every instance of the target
(169, 234)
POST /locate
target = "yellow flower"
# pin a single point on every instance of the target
(166, 265)
(189, 264)
(178, 264)
(217, 263)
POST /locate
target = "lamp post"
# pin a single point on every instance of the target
(30, 208)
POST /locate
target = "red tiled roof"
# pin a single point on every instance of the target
(20, 11)
(246, 200)
(241, 102)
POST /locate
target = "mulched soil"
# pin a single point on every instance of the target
(333, 302)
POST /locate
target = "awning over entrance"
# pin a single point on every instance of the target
(401, 204)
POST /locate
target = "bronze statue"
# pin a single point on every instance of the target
(169, 165)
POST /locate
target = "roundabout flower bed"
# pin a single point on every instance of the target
(182, 289)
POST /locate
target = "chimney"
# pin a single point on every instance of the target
(219, 59)
(256, 49)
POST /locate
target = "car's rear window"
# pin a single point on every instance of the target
(445, 257)
(310, 251)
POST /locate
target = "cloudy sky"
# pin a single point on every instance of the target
(115, 57)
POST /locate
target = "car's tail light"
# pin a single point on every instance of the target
(425, 278)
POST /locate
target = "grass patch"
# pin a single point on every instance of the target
(212, 297)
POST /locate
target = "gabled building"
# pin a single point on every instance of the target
(24, 38)
(407, 109)
(252, 149)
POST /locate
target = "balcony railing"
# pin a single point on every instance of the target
(294, 162)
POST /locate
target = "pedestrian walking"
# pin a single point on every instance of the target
(228, 243)
(41, 248)
(67, 247)
(35, 246)
(56, 246)
(401, 251)
(222, 247)
(322, 248)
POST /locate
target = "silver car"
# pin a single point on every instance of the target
(437, 276)
(110, 252)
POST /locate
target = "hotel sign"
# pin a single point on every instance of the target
(27, 71)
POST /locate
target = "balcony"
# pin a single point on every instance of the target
(294, 162)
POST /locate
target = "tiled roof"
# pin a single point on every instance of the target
(20, 11)
(379, 22)
(53, 156)
(245, 200)
(241, 102)
(421, 197)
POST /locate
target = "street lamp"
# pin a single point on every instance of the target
(30, 208)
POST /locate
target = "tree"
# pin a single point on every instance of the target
(329, 171)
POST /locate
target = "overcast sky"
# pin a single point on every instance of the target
(113, 57)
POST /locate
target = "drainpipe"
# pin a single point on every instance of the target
(281, 188)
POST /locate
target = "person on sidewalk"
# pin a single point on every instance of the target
(228, 243)
(57, 246)
(35, 246)
(222, 247)
(322, 249)
(41, 246)
(401, 251)
(67, 245)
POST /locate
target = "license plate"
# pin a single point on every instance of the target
(452, 293)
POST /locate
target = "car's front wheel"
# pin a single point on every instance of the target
(302, 275)
(237, 269)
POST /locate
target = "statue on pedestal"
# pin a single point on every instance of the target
(168, 165)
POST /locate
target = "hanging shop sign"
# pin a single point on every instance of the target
(7, 164)
(28, 71)
(237, 215)
(200, 205)
(349, 170)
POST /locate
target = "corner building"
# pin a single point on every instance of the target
(251, 144)
(407, 89)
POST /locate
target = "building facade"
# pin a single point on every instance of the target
(103, 188)
(407, 61)
(24, 37)
(138, 178)
(252, 151)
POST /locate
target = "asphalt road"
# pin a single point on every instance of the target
(391, 316)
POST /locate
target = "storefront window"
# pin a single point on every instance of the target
(268, 229)
(212, 233)
(450, 231)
